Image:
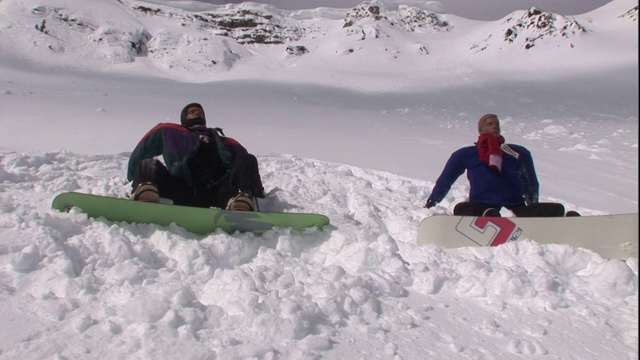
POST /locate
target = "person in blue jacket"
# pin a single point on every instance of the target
(500, 175)
(201, 167)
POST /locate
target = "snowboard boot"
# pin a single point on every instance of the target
(491, 212)
(241, 202)
(572, 213)
(146, 192)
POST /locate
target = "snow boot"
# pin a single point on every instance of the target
(146, 192)
(241, 202)
(491, 212)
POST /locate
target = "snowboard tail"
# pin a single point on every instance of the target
(200, 221)
(611, 236)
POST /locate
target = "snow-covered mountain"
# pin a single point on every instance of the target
(196, 41)
(352, 122)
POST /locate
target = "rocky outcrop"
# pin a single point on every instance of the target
(537, 25)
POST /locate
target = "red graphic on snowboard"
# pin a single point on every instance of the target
(488, 231)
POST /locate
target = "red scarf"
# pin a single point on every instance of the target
(489, 150)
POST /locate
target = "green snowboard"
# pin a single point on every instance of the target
(197, 220)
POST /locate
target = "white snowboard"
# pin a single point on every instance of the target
(611, 236)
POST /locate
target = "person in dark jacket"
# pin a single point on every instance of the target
(499, 174)
(201, 168)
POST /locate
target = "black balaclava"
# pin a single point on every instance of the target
(194, 121)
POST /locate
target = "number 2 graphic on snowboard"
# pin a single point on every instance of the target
(488, 231)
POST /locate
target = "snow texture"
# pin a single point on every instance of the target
(352, 122)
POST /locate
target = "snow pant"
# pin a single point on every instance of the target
(532, 210)
(244, 176)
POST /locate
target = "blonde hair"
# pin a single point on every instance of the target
(484, 118)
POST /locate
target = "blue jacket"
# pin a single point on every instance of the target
(179, 147)
(517, 183)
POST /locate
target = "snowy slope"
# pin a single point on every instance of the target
(191, 43)
(360, 136)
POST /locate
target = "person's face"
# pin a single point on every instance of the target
(491, 126)
(194, 112)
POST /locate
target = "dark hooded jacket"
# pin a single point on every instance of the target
(186, 156)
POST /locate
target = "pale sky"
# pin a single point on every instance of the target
(472, 9)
